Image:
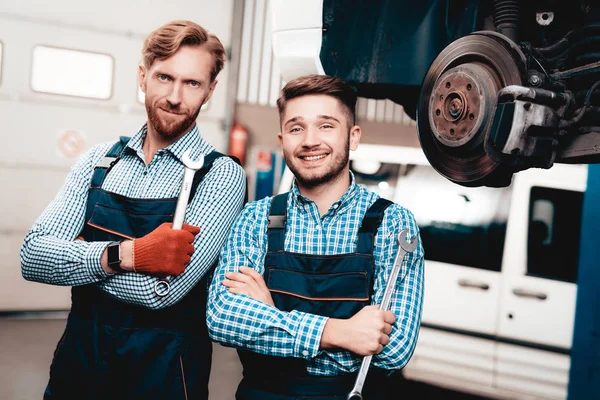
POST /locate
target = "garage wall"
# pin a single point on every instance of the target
(35, 159)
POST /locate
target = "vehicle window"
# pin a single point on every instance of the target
(458, 225)
(72, 72)
(553, 235)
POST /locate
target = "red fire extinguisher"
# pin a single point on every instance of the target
(238, 140)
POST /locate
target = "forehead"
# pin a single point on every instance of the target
(310, 106)
(189, 62)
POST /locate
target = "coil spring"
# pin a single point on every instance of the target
(506, 17)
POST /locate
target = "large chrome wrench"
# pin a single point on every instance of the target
(404, 247)
(163, 287)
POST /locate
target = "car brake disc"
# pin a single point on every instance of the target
(457, 105)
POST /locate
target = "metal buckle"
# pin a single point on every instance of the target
(276, 221)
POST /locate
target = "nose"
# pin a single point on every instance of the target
(311, 137)
(174, 97)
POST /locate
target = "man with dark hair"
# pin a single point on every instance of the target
(301, 275)
(108, 233)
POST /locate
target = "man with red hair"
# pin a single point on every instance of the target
(125, 339)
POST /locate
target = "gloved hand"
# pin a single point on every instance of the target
(164, 251)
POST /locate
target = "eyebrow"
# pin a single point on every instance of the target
(326, 117)
(295, 119)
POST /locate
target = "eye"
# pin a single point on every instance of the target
(162, 77)
(194, 84)
(295, 129)
(327, 126)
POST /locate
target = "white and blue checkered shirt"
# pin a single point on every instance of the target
(50, 254)
(239, 321)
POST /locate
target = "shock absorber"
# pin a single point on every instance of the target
(506, 18)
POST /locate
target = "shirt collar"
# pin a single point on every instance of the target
(191, 139)
(346, 199)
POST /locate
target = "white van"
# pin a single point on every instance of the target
(500, 272)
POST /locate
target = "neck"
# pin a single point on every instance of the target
(327, 193)
(154, 141)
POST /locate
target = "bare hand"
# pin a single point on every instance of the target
(250, 283)
(364, 334)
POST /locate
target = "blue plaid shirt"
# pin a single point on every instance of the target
(239, 321)
(50, 254)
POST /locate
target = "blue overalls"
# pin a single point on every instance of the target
(335, 286)
(114, 350)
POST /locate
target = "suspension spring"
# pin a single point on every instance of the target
(506, 18)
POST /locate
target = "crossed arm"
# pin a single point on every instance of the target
(50, 254)
(241, 312)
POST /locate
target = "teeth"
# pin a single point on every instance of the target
(312, 158)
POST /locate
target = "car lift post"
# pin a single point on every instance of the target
(584, 379)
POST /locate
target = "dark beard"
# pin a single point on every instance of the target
(169, 130)
(329, 176)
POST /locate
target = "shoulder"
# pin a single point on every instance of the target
(227, 171)
(396, 217)
(253, 217)
(259, 208)
(88, 160)
(226, 163)
(396, 212)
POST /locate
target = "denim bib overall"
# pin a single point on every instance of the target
(336, 286)
(114, 350)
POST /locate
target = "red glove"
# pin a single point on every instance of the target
(164, 251)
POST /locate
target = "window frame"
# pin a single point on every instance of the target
(75, 96)
(530, 214)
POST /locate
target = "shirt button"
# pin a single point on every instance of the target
(305, 353)
(335, 206)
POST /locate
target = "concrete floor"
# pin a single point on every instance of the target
(27, 345)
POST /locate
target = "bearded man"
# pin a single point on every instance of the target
(300, 279)
(108, 234)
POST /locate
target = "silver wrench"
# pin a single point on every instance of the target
(163, 287)
(404, 247)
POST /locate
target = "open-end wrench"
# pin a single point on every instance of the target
(404, 247)
(163, 287)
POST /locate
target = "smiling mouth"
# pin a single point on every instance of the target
(313, 158)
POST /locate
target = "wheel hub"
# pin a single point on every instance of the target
(457, 105)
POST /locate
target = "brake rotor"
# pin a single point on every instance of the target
(457, 104)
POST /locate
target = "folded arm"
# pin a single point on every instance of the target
(236, 316)
(50, 254)
(238, 320)
(218, 200)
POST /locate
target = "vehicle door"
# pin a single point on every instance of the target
(462, 230)
(537, 310)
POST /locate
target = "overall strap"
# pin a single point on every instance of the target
(277, 219)
(370, 223)
(209, 159)
(108, 161)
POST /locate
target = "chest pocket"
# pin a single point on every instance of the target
(335, 286)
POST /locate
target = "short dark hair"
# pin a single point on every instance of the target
(166, 40)
(320, 84)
